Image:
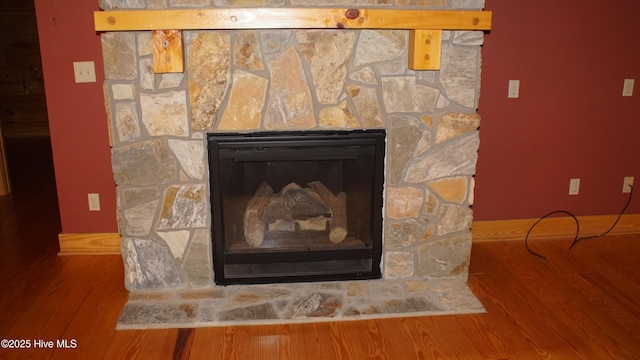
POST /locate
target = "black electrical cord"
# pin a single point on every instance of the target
(576, 239)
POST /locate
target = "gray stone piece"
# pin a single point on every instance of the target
(190, 155)
(404, 135)
(467, 4)
(123, 91)
(314, 305)
(139, 219)
(453, 158)
(398, 264)
(119, 55)
(169, 81)
(147, 75)
(408, 305)
(468, 38)
(342, 2)
(452, 295)
(121, 4)
(274, 41)
(364, 75)
(289, 105)
(367, 105)
(453, 218)
(145, 43)
(239, 3)
(460, 73)
(197, 260)
(402, 94)
(394, 68)
(445, 257)
(129, 197)
(148, 264)
(190, 3)
(253, 312)
(405, 233)
(379, 45)
(127, 123)
(176, 241)
(145, 163)
(158, 314)
(328, 53)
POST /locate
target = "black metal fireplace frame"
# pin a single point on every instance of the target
(233, 143)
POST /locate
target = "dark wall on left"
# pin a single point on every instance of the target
(23, 110)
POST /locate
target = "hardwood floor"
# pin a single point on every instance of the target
(579, 305)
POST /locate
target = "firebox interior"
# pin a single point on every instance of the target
(296, 206)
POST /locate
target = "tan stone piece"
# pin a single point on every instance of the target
(451, 189)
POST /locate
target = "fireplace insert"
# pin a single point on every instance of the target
(296, 206)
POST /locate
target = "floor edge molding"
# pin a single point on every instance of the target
(483, 231)
(555, 227)
(89, 244)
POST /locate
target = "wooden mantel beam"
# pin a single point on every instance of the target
(291, 18)
(425, 25)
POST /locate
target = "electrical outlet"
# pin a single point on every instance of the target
(84, 71)
(627, 183)
(94, 202)
(514, 89)
(574, 186)
(627, 88)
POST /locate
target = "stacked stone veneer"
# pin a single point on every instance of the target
(245, 80)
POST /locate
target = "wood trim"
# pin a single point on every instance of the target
(167, 51)
(425, 47)
(291, 18)
(5, 183)
(89, 244)
(557, 227)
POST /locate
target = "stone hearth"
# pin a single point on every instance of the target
(292, 80)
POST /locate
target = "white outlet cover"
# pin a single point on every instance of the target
(627, 183)
(574, 186)
(627, 88)
(94, 201)
(514, 89)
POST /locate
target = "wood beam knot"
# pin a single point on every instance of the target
(352, 14)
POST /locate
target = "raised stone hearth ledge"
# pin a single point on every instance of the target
(297, 303)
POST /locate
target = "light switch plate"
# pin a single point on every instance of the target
(84, 71)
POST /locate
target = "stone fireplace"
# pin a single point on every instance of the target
(291, 80)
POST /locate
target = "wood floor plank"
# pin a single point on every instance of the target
(567, 300)
(510, 279)
(101, 308)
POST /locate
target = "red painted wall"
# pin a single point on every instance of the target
(571, 121)
(77, 118)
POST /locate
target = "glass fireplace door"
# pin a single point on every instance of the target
(296, 206)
